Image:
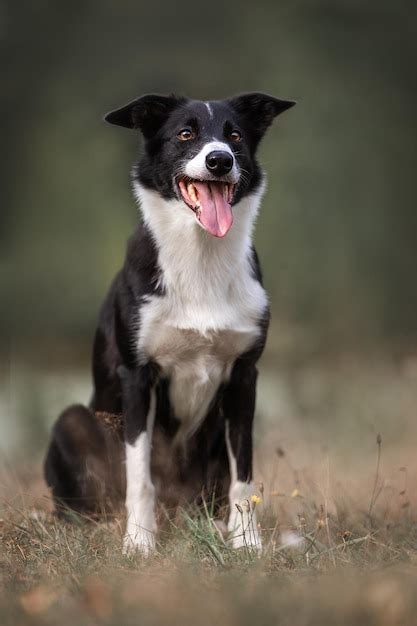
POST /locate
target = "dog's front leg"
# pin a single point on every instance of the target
(138, 394)
(239, 407)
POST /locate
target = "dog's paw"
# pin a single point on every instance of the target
(246, 538)
(243, 527)
(140, 541)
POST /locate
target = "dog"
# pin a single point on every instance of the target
(181, 329)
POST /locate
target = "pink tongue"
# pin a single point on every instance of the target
(215, 212)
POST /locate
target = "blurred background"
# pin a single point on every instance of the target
(337, 234)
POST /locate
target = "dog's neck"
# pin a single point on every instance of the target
(193, 263)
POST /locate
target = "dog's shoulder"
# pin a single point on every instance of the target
(141, 272)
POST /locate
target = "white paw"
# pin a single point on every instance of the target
(246, 538)
(139, 541)
(245, 535)
(243, 527)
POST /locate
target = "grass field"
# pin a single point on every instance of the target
(336, 473)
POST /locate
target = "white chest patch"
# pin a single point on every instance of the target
(195, 362)
(212, 305)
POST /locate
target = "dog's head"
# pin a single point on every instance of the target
(202, 153)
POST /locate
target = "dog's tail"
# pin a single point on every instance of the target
(83, 465)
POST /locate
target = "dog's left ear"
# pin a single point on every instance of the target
(259, 109)
(146, 113)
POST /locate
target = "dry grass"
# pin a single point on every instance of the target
(338, 519)
(326, 560)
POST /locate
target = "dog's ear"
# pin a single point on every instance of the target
(146, 113)
(258, 110)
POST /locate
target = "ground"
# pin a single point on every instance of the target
(336, 499)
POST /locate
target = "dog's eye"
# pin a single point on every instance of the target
(186, 134)
(235, 136)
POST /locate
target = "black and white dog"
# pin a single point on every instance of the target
(182, 327)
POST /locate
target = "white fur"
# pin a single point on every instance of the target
(209, 109)
(242, 524)
(210, 312)
(140, 492)
(196, 167)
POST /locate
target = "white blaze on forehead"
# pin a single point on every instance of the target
(196, 167)
(209, 109)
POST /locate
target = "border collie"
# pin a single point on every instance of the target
(181, 329)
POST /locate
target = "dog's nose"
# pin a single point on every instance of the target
(219, 162)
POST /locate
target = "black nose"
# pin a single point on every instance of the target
(219, 162)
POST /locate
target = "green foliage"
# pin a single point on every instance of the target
(337, 231)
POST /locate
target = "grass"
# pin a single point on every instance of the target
(337, 516)
(321, 564)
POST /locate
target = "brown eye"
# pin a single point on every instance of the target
(235, 136)
(185, 134)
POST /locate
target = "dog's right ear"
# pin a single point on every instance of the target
(146, 113)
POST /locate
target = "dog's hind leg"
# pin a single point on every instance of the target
(78, 464)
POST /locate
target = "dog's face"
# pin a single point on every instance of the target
(202, 153)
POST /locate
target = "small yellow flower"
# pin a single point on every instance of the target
(295, 494)
(256, 500)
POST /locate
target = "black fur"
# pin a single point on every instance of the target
(122, 377)
(159, 119)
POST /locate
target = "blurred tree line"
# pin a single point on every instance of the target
(337, 233)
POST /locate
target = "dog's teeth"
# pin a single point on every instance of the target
(192, 193)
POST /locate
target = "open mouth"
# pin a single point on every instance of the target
(211, 202)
